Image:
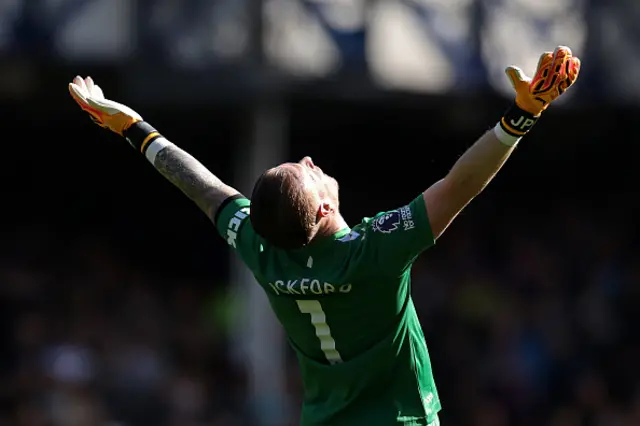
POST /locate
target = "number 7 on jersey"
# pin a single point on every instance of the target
(319, 322)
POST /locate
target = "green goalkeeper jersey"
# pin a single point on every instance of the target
(346, 307)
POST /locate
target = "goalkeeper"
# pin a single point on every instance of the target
(342, 293)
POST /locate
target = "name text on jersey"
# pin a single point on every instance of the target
(307, 286)
(234, 225)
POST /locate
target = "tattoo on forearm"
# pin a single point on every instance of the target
(188, 174)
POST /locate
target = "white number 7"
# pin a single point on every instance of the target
(319, 322)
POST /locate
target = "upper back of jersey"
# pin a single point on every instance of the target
(345, 305)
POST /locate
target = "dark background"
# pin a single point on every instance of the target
(114, 295)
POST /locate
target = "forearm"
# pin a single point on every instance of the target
(478, 165)
(180, 168)
(471, 173)
(192, 178)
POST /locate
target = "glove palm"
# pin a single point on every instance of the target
(106, 113)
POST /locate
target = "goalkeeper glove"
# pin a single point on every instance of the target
(555, 73)
(112, 115)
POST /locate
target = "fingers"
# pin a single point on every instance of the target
(542, 72)
(574, 70)
(81, 92)
(552, 70)
(90, 84)
(544, 60)
(78, 94)
(561, 58)
(87, 88)
(81, 85)
(78, 90)
(517, 77)
(97, 92)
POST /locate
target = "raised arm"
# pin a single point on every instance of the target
(445, 199)
(175, 164)
(192, 178)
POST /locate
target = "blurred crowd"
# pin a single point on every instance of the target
(93, 341)
(530, 320)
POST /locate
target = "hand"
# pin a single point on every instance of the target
(556, 72)
(109, 114)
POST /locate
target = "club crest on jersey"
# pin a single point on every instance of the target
(387, 222)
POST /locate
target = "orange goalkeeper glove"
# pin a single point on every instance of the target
(556, 72)
(108, 114)
(112, 115)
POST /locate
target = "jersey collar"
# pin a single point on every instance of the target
(323, 241)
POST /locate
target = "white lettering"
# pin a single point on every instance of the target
(522, 123)
(517, 123)
(307, 286)
(407, 218)
(315, 287)
(280, 284)
(291, 287)
(528, 123)
(231, 238)
(304, 285)
(234, 225)
(242, 213)
(275, 289)
(345, 288)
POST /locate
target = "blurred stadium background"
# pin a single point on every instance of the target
(119, 304)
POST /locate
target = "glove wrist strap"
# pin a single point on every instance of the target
(517, 122)
(504, 137)
(140, 135)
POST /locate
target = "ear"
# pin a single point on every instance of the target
(325, 209)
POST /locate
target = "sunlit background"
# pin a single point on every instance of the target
(119, 304)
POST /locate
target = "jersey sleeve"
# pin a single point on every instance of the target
(393, 239)
(234, 226)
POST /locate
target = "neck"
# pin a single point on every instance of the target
(330, 227)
